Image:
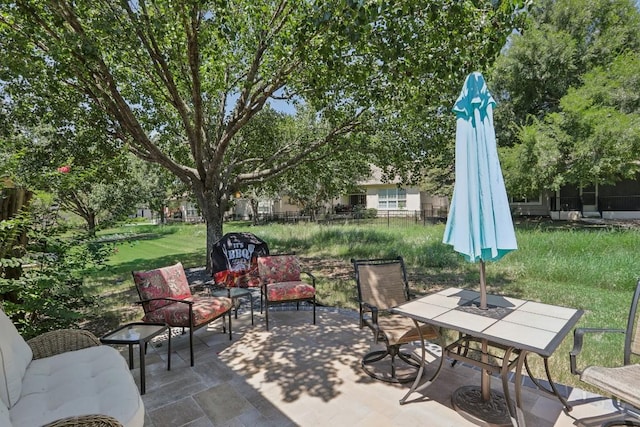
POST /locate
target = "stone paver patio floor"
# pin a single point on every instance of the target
(298, 374)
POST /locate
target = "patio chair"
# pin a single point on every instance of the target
(281, 282)
(622, 382)
(382, 284)
(166, 297)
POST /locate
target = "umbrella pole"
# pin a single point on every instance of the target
(483, 287)
(485, 379)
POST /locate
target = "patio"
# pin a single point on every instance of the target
(298, 374)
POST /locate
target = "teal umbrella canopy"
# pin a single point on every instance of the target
(479, 225)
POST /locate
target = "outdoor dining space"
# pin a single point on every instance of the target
(300, 374)
(404, 368)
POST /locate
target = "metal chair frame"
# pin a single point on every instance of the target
(631, 348)
(369, 316)
(192, 327)
(264, 294)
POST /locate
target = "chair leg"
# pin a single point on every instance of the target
(266, 313)
(230, 335)
(314, 309)
(251, 305)
(191, 323)
(391, 351)
(261, 302)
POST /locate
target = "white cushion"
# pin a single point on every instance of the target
(94, 380)
(15, 355)
(5, 420)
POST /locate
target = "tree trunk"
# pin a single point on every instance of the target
(12, 202)
(254, 210)
(212, 206)
(91, 223)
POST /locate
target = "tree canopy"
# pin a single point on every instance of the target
(567, 89)
(174, 82)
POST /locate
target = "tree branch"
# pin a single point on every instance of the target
(279, 168)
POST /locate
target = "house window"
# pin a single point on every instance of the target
(392, 198)
(532, 199)
(264, 207)
(358, 200)
(192, 211)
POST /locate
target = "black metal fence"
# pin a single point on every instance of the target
(619, 203)
(367, 217)
(566, 203)
(605, 203)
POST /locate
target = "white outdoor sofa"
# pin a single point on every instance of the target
(64, 378)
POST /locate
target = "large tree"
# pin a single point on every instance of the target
(175, 81)
(565, 88)
(594, 138)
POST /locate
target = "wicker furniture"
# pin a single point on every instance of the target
(622, 382)
(64, 378)
(166, 297)
(382, 284)
(281, 282)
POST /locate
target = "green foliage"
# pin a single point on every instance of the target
(569, 90)
(49, 293)
(576, 265)
(176, 82)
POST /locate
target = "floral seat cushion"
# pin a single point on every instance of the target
(176, 314)
(165, 282)
(286, 291)
(277, 269)
(171, 282)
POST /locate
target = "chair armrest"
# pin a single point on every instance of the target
(144, 301)
(578, 339)
(86, 420)
(60, 341)
(372, 308)
(311, 276)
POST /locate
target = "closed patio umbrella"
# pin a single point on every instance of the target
(479, 224)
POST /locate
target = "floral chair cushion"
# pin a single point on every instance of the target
(176, 314)
(279, 268)
(241, 279)
(165, 282)
(287, 291)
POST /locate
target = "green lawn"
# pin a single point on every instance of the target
(592, 268)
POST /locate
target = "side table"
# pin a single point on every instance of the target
(138, 333)
(234, 294)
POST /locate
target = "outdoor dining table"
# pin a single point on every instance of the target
(512, 328)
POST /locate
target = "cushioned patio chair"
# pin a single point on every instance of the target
(166, 297)
(382, 284)
(281, 282)
(622, 382)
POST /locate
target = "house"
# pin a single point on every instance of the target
(390, 197)
(608, 201)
